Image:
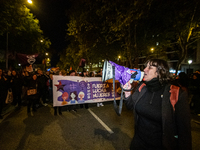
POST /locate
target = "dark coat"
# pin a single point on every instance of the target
(3, 89)
(16, 84)
(33, 84)
(42, 82)
(3, 85)
(173, 122)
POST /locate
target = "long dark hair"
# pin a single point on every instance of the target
(162, 69)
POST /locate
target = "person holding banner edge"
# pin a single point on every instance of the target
(157, 124)
(3, 91)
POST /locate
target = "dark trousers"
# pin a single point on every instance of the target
(42, 95)
(31, 103)
(59, 110)
(3, 95)
(17, 98)
(86, 106)
(50, 94)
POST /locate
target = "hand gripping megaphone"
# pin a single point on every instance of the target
(114, 71)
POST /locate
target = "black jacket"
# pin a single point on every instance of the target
(42, 82)
(173, 122)
(3, 84)
(16, 84)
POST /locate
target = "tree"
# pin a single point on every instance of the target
(22, 28)
(105, 29)
(177, 23)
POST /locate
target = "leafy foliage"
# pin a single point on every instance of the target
(24, 33)
(101, 29)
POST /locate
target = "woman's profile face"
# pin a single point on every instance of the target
(150, 72)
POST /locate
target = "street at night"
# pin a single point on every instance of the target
(73, 130)
(63, 63)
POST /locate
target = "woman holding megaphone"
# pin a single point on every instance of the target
(162, 114)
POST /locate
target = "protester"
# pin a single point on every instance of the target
(50, 87)
(62, 73)
(16, 86)
(183, 81)
(99, 74)
(32, 93)
(195, 91)
(25, 77)
(159, 125)
(42, 80)
(3, 91)
(47, 75)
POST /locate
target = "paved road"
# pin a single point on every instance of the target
(92, 129)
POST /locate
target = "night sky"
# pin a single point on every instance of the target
(53, 20)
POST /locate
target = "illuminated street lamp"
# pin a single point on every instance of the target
(29, 1)
(152, 49)
(189, 62)
(119, 58)
(46, 54)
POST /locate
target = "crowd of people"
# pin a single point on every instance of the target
(34, 89)
(162, 119)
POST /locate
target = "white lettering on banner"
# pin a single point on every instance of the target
(99, 90)
(101, 95)
(98, 85)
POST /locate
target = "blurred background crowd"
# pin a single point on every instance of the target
(19, 82)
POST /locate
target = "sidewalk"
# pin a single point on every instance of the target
(7, 109)
(195, 118)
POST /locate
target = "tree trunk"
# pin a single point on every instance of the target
(182, 58)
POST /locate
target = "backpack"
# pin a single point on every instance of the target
(174, 90)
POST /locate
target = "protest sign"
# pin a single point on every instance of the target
(70, 90)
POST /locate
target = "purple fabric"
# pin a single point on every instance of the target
(122, 74)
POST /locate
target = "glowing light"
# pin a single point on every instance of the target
(30, 1)
(189, 61)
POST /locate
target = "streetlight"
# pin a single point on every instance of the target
(119, 58)
(189, 62)
(29, 1)
(152, 50)
(46, 54)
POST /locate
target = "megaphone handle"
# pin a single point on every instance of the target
(117, 110)
(125, 89)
